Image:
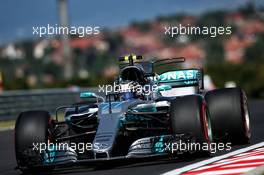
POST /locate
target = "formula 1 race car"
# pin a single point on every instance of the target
(147, 114)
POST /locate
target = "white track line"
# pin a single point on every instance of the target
(214, 159)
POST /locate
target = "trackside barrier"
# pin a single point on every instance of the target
(14, 102)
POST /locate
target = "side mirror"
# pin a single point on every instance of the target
(91, 95)
(164, 87)
(87, 95)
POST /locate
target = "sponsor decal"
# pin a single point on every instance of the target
(159, 146)
(180, 75)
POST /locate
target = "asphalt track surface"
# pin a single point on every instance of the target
(8, 162)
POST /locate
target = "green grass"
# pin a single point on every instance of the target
(7, 124)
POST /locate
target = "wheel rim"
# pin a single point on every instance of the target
(246, 117)
(207, 124)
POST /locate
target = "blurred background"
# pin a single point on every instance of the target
(28, 61)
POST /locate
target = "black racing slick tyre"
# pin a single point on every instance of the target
(32, 128)
(229, 113)
(189, 116)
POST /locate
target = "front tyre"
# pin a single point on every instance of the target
(229, 115)
(189, 115)
(32, 127)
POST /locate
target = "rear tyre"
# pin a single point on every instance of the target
(189, 115)
(229, 113)
(31, 127)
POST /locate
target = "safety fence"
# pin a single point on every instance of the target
(14, 102)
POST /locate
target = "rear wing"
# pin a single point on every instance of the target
(177, 78)
(182, 78)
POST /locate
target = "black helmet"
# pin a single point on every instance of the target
(133, 73)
